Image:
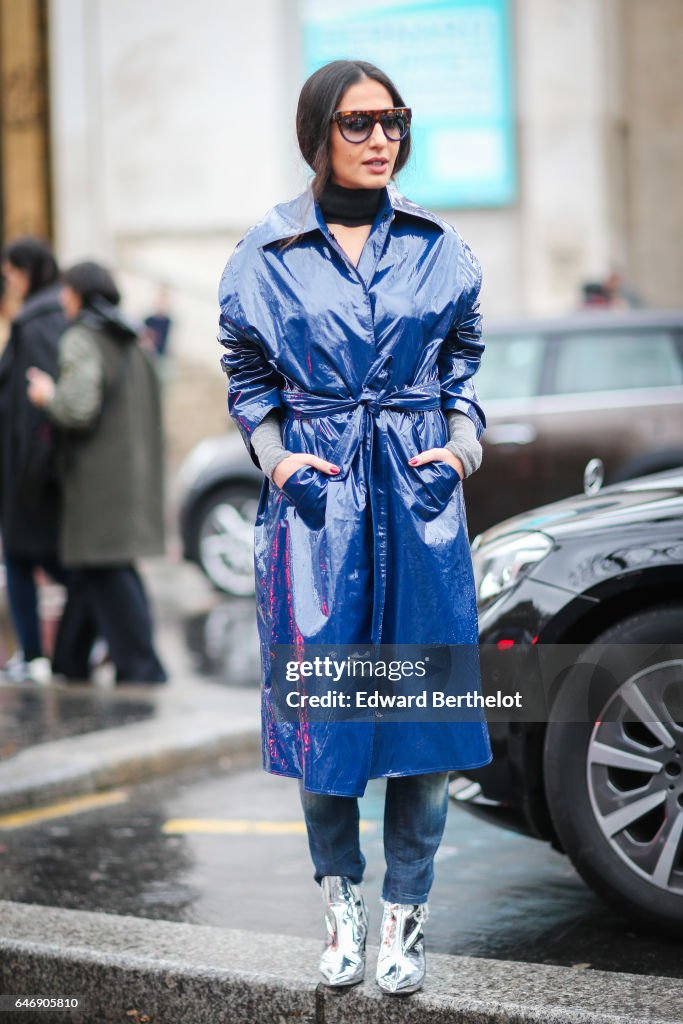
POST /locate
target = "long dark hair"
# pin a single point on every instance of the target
(91, 281)
(318, 100)
(34, 256)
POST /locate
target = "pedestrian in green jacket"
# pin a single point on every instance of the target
(106, 402)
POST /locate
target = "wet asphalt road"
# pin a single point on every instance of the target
(226, 847)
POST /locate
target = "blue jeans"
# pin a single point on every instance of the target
(22, 596)
(415, 809)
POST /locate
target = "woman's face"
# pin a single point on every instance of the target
(368, 164)
(18, 281)
(71, 302)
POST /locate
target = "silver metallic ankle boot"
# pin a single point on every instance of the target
(343, 960)
(401, 962)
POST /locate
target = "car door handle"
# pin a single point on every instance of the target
(511, 433)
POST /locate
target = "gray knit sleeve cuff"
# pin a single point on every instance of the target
(463, 440)
(266, 441)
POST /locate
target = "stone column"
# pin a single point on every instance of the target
(569, 125)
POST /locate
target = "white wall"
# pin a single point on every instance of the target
(565, 77)
(173, 131)
(196, 117)
(180, 109)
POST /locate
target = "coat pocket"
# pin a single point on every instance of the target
(306, 488)
(434, 485)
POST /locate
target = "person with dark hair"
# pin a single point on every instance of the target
(106, 404)
(350, 319)
(87, 285)
(29, 266)
(29, 484)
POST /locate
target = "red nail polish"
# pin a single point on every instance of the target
(335, 469)
(412, 461)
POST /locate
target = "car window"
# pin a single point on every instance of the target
(510, 367)
(615, 361)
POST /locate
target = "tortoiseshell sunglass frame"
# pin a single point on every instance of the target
(375, 116)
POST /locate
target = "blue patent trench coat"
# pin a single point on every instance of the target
(361, 362)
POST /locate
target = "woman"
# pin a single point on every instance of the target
(29, 488)
(106, 403)
(350, 319)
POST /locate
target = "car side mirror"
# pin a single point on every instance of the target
(593, 476)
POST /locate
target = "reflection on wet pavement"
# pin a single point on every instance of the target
(223, 642)
(30, 715)
(220, 644)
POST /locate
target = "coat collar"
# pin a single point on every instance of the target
(302, 215)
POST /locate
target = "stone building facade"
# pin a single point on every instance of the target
(170, 129)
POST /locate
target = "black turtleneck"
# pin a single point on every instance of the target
(350, 206)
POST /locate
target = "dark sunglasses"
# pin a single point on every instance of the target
(358, 125)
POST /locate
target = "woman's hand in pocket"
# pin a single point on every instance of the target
(291, 463)
(439, 455)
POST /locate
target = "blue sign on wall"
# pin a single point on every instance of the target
(450, 60)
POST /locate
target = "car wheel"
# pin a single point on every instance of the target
(224, 531)
(613, 767)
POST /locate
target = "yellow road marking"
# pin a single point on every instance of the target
(243, 826)
(62, 809)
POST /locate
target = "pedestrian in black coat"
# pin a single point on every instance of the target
(29, 484)
(105, 401)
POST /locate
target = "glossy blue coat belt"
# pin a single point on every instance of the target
(365, 408)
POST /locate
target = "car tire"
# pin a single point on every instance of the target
(223, 537)
(598, 727)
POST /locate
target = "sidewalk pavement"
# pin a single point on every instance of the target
(68, 739)
(185, 722)
(128, 969)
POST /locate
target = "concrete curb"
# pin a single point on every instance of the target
(127, 969)
(191, 725)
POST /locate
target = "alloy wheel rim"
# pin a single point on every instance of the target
(226, 547)
(635, 774)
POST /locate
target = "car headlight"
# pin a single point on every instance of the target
(500, 565)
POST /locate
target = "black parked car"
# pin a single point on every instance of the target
(556, 392)
(597, 580)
